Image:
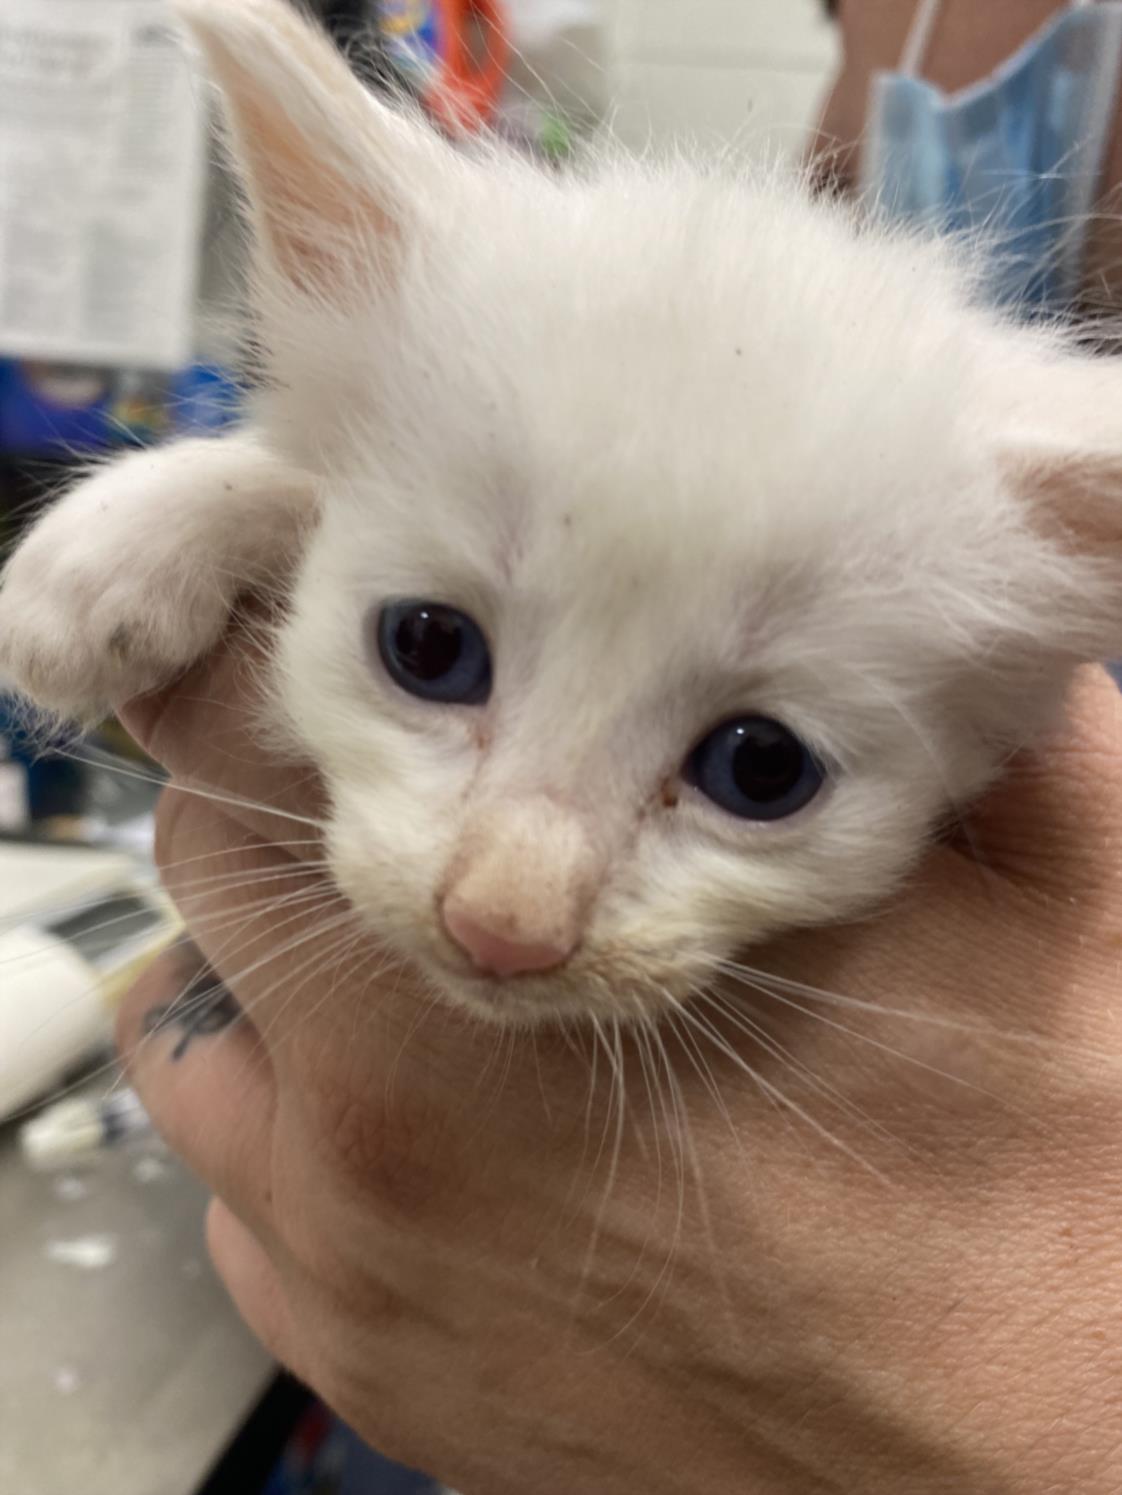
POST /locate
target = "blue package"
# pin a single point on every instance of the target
(65, 410)
(50, 410)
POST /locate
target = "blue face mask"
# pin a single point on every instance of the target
(1016, 157)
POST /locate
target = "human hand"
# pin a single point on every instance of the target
(860, 1237)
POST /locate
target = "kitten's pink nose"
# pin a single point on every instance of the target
(496, 953)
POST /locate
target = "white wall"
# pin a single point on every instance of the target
(749, 71)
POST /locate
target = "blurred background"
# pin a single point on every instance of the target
(719, 71)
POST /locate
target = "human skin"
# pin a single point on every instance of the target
(890, 1261)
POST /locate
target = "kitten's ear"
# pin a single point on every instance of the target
(1061, 452)
(326, 167)
(1073, 499)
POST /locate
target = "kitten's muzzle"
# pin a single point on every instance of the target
(519, 888)
(493, 953)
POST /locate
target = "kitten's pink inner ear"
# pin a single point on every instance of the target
(1074, 500)
(312, 220)
(301, 128)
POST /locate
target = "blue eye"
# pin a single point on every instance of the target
(755, 768)
(435, 652)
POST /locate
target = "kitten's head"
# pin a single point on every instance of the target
(687, 552)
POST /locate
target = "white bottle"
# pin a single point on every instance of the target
(79, 927)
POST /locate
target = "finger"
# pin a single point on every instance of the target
(280, 935)
(204, 1078)
(203, 729)
(251, 1279)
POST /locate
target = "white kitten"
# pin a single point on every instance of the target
(751, 544)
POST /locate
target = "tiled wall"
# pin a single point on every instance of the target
(749, 71)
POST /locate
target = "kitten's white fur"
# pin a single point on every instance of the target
(686, 446)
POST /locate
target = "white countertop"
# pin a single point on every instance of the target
(124, 1369)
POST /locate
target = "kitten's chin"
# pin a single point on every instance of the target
(522, 1002)
(537, 1001)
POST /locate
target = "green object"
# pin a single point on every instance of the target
(556, 139)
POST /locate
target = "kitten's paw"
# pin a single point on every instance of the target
(86, 625)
